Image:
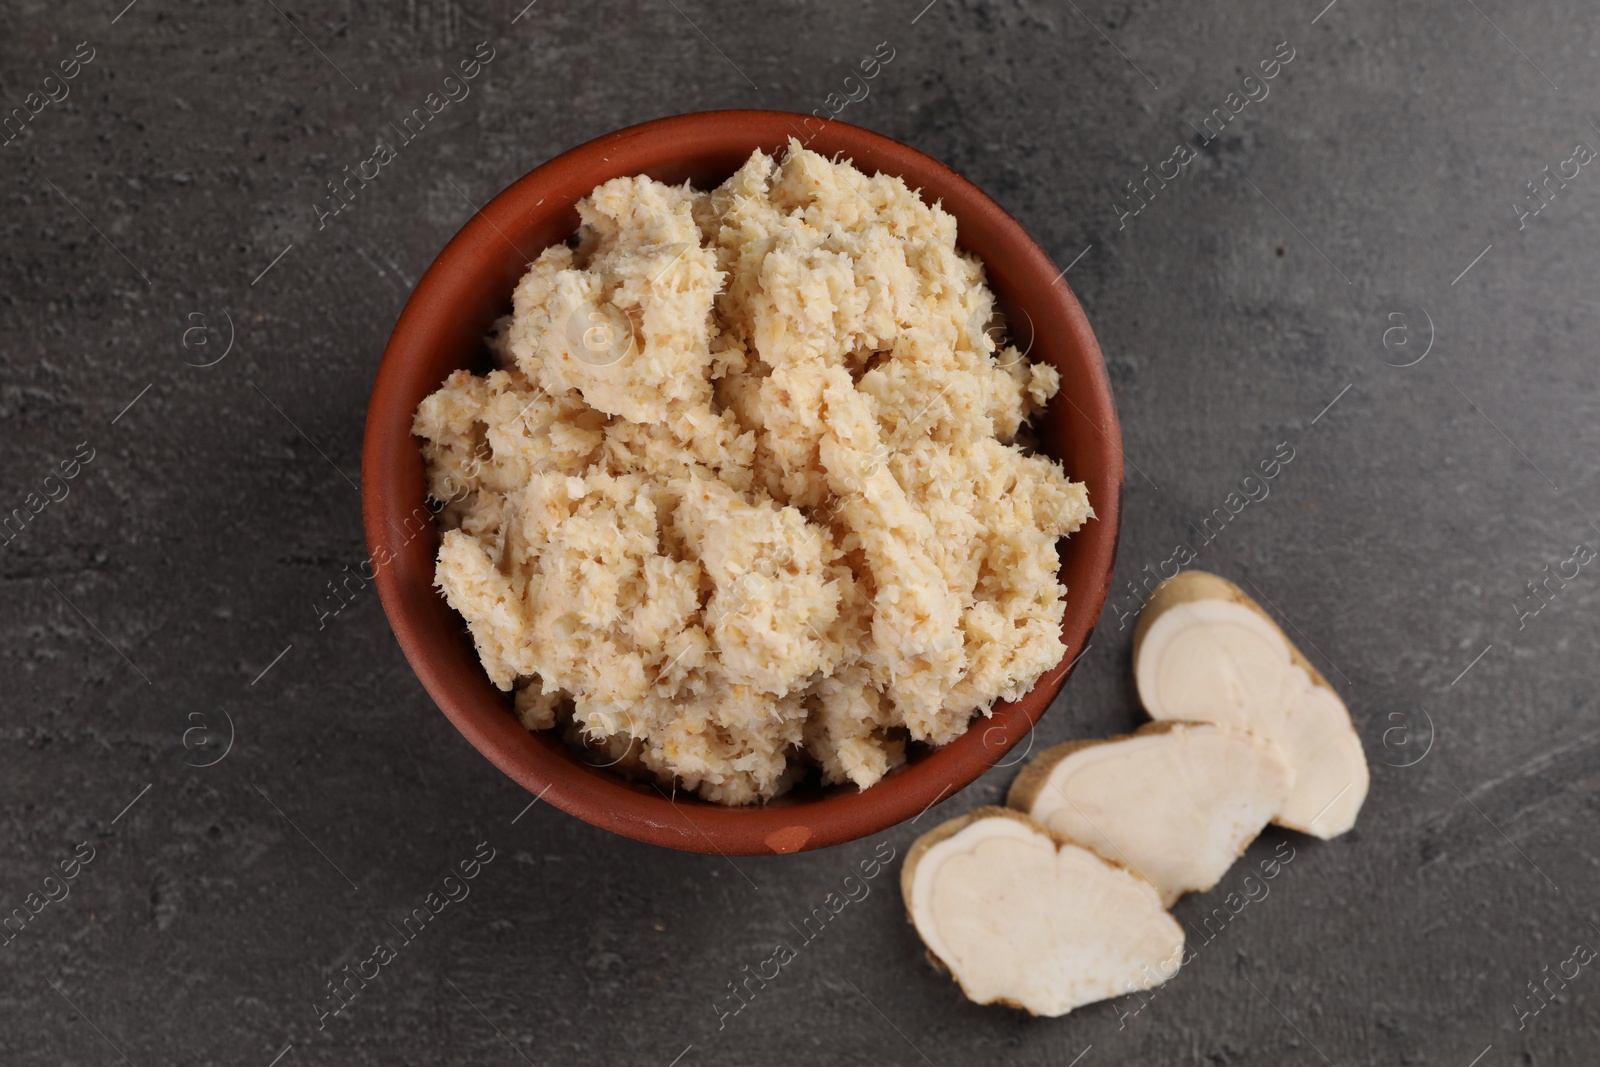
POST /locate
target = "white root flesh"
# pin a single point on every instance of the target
(1176, 802)
(1205, 652)
(1023, 918)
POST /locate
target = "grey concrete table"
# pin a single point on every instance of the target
(1345, 263)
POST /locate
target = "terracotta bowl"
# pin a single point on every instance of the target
(442, 328)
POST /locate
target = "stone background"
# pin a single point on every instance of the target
(173, 191)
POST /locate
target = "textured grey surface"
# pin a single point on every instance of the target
(197, 545)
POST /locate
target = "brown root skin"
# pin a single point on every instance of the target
(1190, 586)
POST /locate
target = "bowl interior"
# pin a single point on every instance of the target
(442, 329)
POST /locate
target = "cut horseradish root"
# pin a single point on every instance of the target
(1177, 802)
(1205, 652)
(1020, 917)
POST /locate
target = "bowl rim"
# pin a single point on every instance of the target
(600, 797)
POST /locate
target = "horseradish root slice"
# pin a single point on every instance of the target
(1177, 802)
(1020, 917)
(1205, 652)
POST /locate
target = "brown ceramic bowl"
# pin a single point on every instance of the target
(442, 328)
